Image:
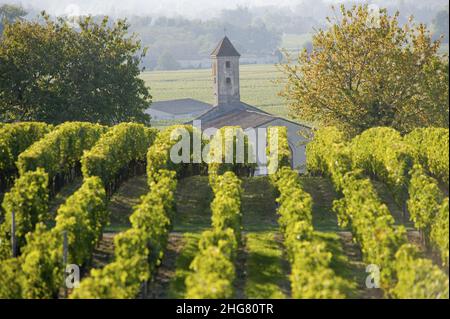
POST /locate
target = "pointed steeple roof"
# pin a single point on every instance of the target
(225, 48)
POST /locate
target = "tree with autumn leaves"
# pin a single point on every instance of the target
(367, 70)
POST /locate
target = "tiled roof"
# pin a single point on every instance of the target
(238, 114)
(223, 109)
(241, 118)
(182, 106)
(225, 48)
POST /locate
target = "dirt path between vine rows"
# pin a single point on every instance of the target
(159, 286)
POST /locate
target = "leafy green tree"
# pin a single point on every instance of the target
(367, 70)
(57, 72)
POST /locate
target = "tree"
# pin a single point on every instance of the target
(308, 46)
(279, 55)
(240, 16)
(54, 72)
(9, 13)
(167, 62)
(366, 70)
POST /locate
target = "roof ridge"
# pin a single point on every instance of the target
(258, 112)
(225, 48)
(257, 109)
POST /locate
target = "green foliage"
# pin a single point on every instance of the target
(154, 216)
(54, 72)
(368, 70)
(158, 155)
(226, 205)
(370, 220)
(321, 147)
(117, 280)
(328, 154)
(28, 199)
(418, 278)
(123, 144)
(213, 271)
(61, 150)
(213, 275)
(430, 148)
(278, 151)
(439, 232)
(10, 287)
(424, 203)
(372, 225)
(139, 250)
(83, 216)
(225, 240)
(14, 139)
(381, 152)
(384, 154)
(131, 249)
(9, 13)
(41, 264)
(312, 276)
(226, 212)
(295, 205)
(122, 278)
(166, 145)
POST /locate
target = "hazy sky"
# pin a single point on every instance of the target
(141, 7)
(189, 8)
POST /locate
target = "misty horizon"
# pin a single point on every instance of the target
(180, 34)
(199, 9)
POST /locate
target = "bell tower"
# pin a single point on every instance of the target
(225, 67)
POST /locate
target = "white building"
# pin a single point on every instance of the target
(229, 110)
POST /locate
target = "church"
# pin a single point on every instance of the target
(229, 110)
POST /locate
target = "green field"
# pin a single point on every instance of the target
(260, 86)
(295, 42)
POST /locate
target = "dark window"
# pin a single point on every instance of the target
(228, 64)
(228, 80)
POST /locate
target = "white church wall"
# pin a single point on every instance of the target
(297, 142)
